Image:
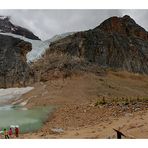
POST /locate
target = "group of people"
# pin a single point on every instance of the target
(9, 133)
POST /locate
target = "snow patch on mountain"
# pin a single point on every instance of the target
(3, 17)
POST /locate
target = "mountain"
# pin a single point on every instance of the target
(9, 29)
(118, 43)
(14, 70)
(38, 46)
(6, 26)
(16, 43)
(19, 47)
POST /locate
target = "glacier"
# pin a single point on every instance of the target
(38, 46)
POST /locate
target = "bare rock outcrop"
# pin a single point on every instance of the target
(14, 70)
(117, 43)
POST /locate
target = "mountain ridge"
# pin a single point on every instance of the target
(109, 45)
(123, 25)
(6, 26)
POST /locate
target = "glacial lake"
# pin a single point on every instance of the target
(27, 119)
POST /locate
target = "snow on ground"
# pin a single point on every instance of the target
(11, 93)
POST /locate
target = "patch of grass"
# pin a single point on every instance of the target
(121, 101)
(145, 99)
(101, 102)
(97, 103)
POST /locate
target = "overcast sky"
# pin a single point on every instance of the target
(47, 23)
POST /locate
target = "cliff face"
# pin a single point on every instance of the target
(14, 70)
(118, 43)
(6, 26)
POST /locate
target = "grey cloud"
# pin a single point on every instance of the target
(47, 23)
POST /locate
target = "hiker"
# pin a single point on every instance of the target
(16, 131)
(6, 134)
(10, 132)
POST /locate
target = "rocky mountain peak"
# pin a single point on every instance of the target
(117, 43)
(123, 25)
(6, 26)
(127, 18)
(5, 18)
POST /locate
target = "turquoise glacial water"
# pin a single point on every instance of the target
(27, 119)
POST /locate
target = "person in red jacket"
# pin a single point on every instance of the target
(10, 132)
(17, 132)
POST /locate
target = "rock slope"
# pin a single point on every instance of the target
(117, 43)
(14, 70)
